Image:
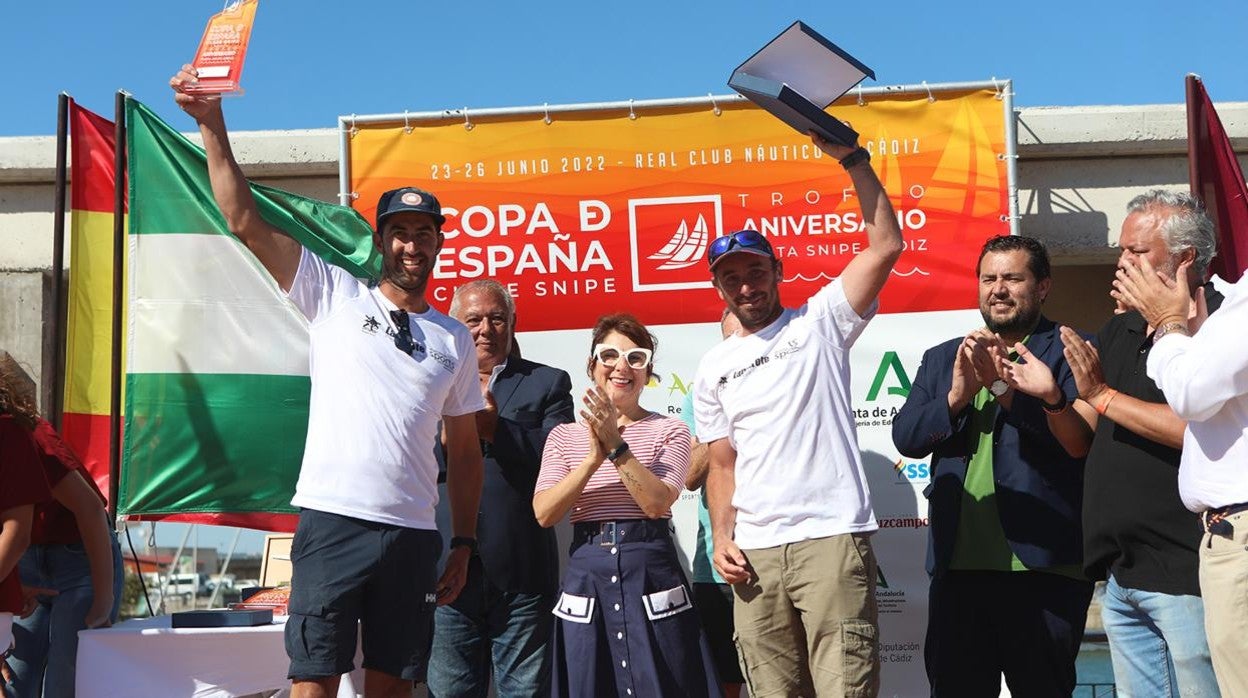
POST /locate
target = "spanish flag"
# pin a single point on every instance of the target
(85, 421)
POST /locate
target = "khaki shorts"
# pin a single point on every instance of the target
(808, 625)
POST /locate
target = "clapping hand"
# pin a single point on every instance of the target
(601, 416)
(1085, 364)
(1159, 299)
(1030, 375)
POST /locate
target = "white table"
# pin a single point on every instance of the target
(147, 657)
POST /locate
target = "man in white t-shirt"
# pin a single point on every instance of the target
(788, 498)
(385, 368)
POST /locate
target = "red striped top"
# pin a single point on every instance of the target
(660, 443)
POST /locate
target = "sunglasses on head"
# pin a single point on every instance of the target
(609, 356)
(403, 334)
(747, 239)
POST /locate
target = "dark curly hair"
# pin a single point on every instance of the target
(1037, 255)
(15, 396)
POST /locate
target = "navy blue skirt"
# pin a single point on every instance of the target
(626, 624)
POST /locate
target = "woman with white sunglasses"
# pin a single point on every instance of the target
(625, 625)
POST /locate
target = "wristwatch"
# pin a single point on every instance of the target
(1057, 407)
(999, 387)
(470, 543)
(618, 451)
(859, 155)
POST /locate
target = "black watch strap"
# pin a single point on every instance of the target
(618, 451)
(1058, 407)
(859, 155)
(470, 543)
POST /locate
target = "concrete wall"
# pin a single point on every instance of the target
(1078, 167)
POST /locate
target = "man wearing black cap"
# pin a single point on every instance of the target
(788, 498)
(385, 368)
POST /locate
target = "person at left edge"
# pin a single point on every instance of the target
(73, 553)
(385, 368)
(22, 486)
(500, 623)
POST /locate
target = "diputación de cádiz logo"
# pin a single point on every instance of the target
(668, 237)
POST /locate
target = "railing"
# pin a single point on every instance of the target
(1094, 690)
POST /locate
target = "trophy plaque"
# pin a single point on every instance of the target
(796, 76)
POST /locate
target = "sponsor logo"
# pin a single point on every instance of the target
(903, 522)
(431, 598)
(371, 325)
(411, 198)
(418, 347)
(890, 364)
(909, 472)
(668, 237)
(781, 353)
(446, 361)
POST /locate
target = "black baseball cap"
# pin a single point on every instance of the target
(408, 199)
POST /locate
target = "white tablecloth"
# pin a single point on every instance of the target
(147, 657)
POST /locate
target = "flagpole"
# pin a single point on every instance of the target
(1192, 83)
(53, 411)
(119, 261)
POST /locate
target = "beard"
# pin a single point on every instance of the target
(1020, 323)
(394, 273)
(757, 317)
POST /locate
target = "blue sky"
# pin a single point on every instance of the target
(312, 61)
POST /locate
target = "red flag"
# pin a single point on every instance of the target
(1217, 180)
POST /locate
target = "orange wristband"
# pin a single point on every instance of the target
(1110, 395)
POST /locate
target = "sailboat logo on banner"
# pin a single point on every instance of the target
(668, 238)
(685, 248)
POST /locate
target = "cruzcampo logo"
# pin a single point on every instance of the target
(889, 363)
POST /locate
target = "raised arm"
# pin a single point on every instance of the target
(866, 273)
(1154, 421)
(1032, 376)
(651, 493)
(278, 252)
(1200, 374)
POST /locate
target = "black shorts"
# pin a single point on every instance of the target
(348, 573)
(714, 604)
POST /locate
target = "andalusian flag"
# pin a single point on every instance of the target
(89, 341)
(217, 381)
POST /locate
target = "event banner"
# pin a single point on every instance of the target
(597, 212)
